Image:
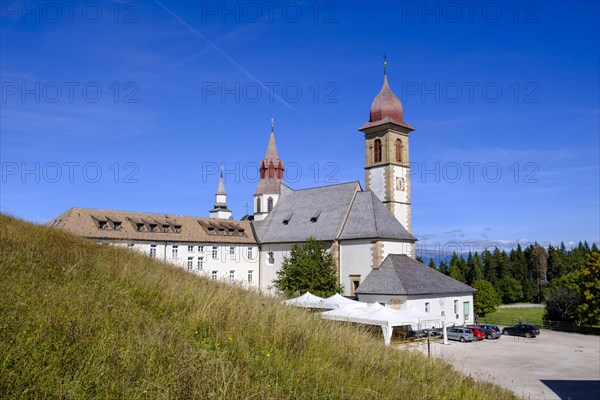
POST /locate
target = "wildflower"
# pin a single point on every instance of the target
(268, 354)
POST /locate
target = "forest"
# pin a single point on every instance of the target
(566, 279)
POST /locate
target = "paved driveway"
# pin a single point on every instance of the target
(555, 365)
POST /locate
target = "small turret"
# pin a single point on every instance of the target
(221, 210)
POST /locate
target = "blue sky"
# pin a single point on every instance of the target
(132, 105)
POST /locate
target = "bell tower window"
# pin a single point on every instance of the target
(269, 204)
(399, 150)
(258, 205)
(377, 151)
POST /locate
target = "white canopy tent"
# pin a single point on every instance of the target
(386, 317)
(307, 300)
(337, 301)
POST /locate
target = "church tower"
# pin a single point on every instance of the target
(387, 169)
(271, 176)
(220, 210)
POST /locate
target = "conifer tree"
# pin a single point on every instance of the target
(431, 263)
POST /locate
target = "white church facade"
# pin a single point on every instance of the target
(361, 228)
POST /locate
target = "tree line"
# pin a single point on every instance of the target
(556, 275)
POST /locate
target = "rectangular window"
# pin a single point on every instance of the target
(249, 253)
(200, 249)
(232, 253)
(190, 262)
(466, 309)
(175, 252)
(152, 250)
(200, 263)
(250, 276)
(427, 308)
(213, 275)
(455, 306)
(215, 252)
(231, 276)
(190, 249)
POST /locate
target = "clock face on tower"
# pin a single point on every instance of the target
(400, 184)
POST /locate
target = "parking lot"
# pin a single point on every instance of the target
(555, 365)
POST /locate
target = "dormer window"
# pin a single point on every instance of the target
(211, 231)
(287, 218)
(315, 216)
(177, 228)
(221, 231)
(230, 232)
(165, 228)
(153, 228)
(102, 224)
(241, 232)
(139, 227)
(117, 226)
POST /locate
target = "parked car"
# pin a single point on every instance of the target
(478, 334)
(460, 334)
(491, 331)
(526, 330)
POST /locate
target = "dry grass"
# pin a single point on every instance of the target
(80, 320)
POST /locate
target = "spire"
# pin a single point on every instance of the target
(221, 189)
(220, 210)
(271, 154)
(386, 104)
(271, 167)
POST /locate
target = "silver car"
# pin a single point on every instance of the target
(460, 334)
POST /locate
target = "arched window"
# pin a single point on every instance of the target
(377, 151)
(269, 204)
(258, 204)
(398, 150)
(271, 258)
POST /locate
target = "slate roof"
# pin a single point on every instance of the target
(331, 202)
(370, 218)
(327, 213)
(88, 223)
(401, 275)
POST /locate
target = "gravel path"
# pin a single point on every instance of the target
(553, 366)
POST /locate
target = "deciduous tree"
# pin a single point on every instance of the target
(308, 268)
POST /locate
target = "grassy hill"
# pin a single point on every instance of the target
(81, 320)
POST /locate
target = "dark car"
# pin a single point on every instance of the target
(491, 331)
(526, 330)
